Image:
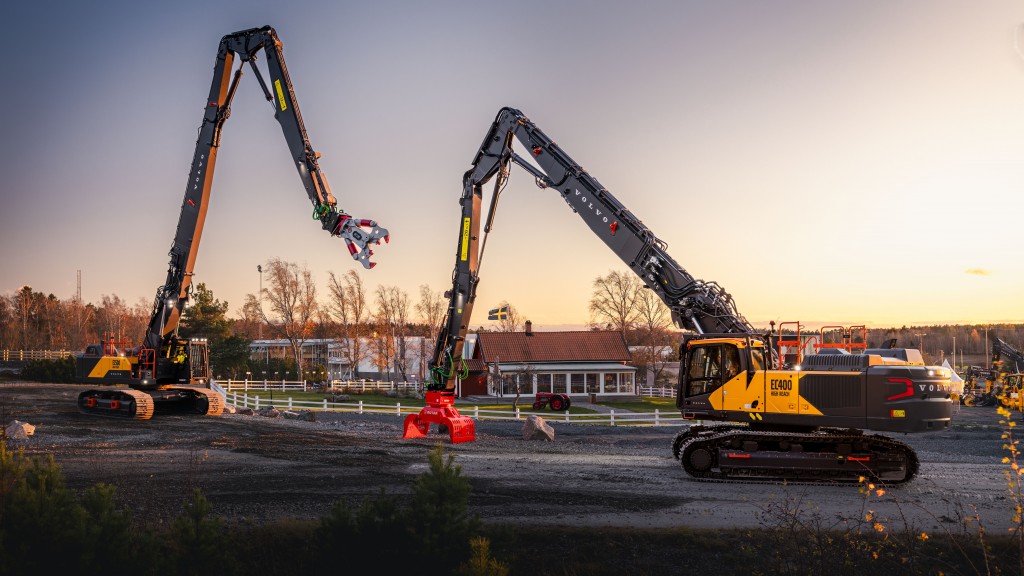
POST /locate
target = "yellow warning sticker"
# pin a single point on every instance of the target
(280, 95)
(465, 239)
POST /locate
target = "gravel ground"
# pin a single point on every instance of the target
(258, 468)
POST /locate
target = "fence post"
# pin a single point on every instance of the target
(257, 402)
(398, 408)
(517, 413)
(566, 414)
(289, 402)
(360, 406)
(611, 418)
(476, 412)
(325, 404)
(655, 416)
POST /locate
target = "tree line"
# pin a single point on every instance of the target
(382, 326)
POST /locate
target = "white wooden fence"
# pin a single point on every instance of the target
(658, 392)
(27, 355)
(656, 418)
(348, 386)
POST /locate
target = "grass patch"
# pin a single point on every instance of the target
(280, 398)
(646, 404)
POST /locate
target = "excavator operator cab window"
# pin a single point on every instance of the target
(710, 366)
(756, 359)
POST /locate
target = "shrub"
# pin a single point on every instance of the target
(60, 371)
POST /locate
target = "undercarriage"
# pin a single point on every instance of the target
(127, 403)
(724, 452)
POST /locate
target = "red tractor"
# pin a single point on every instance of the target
(558, 402)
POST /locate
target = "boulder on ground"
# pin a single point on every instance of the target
(230, 409)
(537, 429)
(245, 411)
(269, 412)
(19, 431)
(305, 415)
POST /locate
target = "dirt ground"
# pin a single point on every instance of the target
(258, 468)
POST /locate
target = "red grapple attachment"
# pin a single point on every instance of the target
(440, 409)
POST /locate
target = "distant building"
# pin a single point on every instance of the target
(333, 354)
(576, 363)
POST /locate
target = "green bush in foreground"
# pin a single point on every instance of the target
(59, 371)
(46, 528)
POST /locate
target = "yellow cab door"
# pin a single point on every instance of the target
(715, 368)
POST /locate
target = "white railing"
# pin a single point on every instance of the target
(656, 418)
(658, 392)
(349, 386)
(27, 355)
(263, 385)
(361, 386)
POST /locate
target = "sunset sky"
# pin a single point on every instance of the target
(824, 161)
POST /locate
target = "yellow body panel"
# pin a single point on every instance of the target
(769, 391)
(109, 363)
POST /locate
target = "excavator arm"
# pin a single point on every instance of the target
(1006, 358)
(358, 234)
(703, 307)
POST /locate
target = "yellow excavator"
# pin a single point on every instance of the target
(168, 373)
(779, 420)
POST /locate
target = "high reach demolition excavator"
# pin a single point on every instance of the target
(786, 422)
(160, 370)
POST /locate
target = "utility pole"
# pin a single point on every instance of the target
(920, 342)
(259, 268)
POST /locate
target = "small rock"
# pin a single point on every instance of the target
(269, 412)
(230, 409)
(536, 428)
(19, 431)
(305, 415)
(245, 411)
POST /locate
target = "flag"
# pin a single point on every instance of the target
(498, 313)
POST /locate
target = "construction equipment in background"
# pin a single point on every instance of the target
(165, 372)
(979, 387)
(1005, 358)
(794, 424)
(1011, 395)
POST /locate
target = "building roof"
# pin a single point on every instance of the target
(575, 346)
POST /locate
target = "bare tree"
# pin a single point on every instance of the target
(348, 305)
(292, 298)
(249, 318)
(393, 320)
(521, 379)
(614, 301)
(78, 317)
(512, 320)
(24, 306)
(653, 327)
(431, 310)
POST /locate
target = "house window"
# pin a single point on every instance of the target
(576, 383)
(559, 383)
(509, 381)
(611, 383)
(626, 382)
(543, 382)
(593, 383)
